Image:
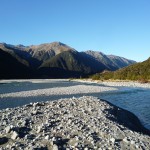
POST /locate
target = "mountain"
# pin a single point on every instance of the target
(10, 67)
(75, 62)
(35, 55)
(120, 62)
(138, 71)
(57, 60)
(46, 51)
(110, 61)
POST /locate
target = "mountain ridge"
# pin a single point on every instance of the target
(113, 62)
(62, 57)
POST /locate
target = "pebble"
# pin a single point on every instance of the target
(67, 124)
(55, 147)
(47, 137)
(39, 129)
(112, 140)
(14, 135)
(7, 129)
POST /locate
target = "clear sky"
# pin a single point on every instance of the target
(119, 27)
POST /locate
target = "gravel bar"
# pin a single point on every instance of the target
(115, 83)
(82, 123)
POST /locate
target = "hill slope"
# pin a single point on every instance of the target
(110, 61)
(73, 62)
(138, 71)
(10, 67)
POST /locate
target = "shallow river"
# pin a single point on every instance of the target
(136, 100)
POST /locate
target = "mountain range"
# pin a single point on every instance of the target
(54, 60)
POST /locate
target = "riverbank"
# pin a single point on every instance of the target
(84, 123)
(115, 83)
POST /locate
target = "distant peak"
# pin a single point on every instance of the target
(52, 44)
(3, 43)
(58, 44)
(94, 52)
(20, 45)
(12, 46)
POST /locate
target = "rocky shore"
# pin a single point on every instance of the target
(75, 123)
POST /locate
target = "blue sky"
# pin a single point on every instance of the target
(119, 27)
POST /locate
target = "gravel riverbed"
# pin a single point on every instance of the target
(115, 83)
(75, 123)
(70, 90)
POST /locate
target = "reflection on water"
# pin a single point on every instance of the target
(136, 100)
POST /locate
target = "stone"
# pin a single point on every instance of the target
(39, 129)
(53, 139)
(55, 147)
(23, 123)
(7, 129)
(47, 137)
(132, 142)
(125, 140)
(14, 135)
(34, 112)
(73, 142)
(137, 146)
(112, 140)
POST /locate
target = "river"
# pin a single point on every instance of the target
(133, 99)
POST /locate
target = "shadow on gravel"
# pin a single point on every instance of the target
(22, 131)
(3, 140)
(61, 142)
(126, 118)
(28, 86)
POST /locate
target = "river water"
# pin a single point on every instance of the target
(133, 99)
